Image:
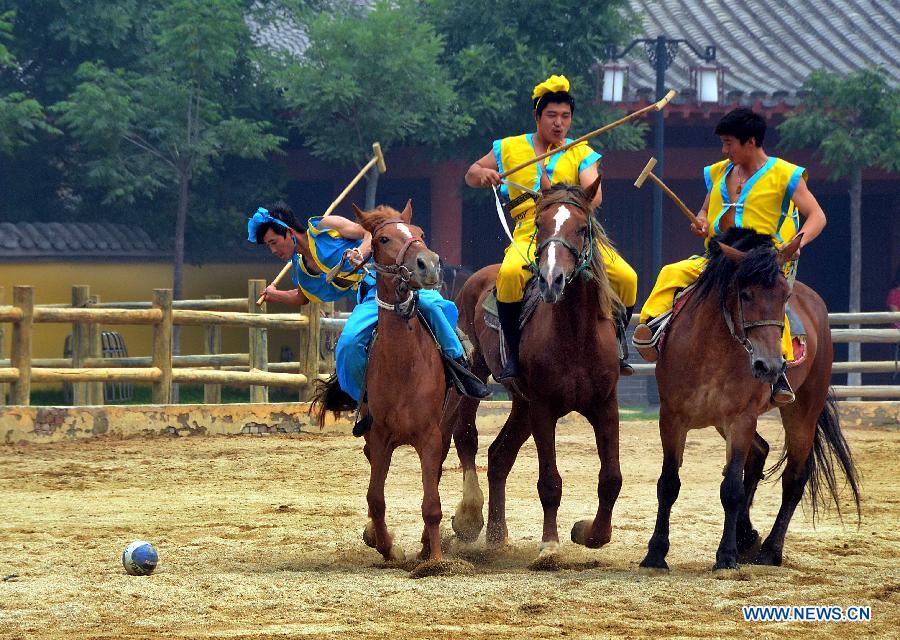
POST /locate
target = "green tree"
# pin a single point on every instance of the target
(21, 117)
(174, 114)
(853, 121)
(371, 74)
(498, 50)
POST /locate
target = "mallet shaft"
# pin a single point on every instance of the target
(656, 106)
(681, 206)
(378, 159)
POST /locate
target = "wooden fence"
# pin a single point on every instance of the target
(87, 369)
(862, 335)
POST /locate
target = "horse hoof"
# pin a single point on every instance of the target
(368, 535)
(467, 523)
(653, 567)
(395, 554)
(748, 549)
(548, 557)
(454, 567)
(768, 558)
(581, 535)
(726, 565)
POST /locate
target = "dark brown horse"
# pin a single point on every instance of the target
(722, 354)
(570, 363)
(406, 383)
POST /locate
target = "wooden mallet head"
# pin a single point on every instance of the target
(379, 157)
(646, 172)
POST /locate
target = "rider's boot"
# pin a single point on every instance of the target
(468, 383)
(622, 318)
(643, 342)
(364, 419)
(782, 394)
(509, 313)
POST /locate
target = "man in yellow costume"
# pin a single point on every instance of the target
(748, 189)
(553, 108)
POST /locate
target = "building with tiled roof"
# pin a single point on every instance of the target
(77, 241)
(766, 48)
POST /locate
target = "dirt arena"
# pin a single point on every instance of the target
(259, 537)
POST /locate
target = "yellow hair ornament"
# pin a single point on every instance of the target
(550, 85)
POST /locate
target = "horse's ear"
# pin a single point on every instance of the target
(591, 191)
(735, 255)
(406, 214)
(361, 217)
(787, 251)
(545, 183)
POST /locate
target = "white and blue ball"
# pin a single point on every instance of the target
(140, 558)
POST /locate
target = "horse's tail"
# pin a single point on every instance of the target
(330, 397)
(829, 445)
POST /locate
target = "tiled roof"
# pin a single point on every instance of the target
(76, 240)
(768, 46)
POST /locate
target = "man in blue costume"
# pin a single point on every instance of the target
(325, 243)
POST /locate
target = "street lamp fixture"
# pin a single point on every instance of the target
(707, 82)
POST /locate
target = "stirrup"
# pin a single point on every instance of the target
(512, 369)
(466, 382)
(645, 341)
(362, 425)
(782, 394)
(625, 369)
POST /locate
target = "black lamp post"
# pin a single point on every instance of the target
(661, 52)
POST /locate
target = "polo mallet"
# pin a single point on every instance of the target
(648, 173)
(377, 159)
(656, 106)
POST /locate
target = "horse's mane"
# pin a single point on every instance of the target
(596, 273)
(759, 267)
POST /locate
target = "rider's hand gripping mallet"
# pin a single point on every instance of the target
(377, 159)
(648, 173)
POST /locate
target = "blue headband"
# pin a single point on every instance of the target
(261, 217)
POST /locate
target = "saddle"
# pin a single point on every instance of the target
(660, 326)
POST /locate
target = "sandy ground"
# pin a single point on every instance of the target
(259, 537)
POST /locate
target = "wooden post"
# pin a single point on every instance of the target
(95, 350)
(212, 393)
(3, 386)
(20, 349)
(162, 347)
(309, 351)
(81, 293)
(259, 339)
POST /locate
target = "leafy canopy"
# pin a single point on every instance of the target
(853, 120)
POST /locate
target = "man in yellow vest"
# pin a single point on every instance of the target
(553, 108)
(748, 189)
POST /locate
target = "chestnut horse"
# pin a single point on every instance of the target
(406, 383)
(570, 363)
(722, 354)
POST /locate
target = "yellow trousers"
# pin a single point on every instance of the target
(679, 275)
(513, 276)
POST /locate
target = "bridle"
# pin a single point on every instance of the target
(584, 257)
(743, 340)
(407, 299)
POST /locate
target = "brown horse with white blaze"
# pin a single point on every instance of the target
(722, 353)
(570, 363)
(406, 383)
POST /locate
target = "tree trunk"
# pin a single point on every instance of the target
(855, 264)
(178, 278)
(371, 187)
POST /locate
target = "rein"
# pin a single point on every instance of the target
(582, 258)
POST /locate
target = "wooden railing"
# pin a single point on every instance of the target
(862, 335)
(87, 369)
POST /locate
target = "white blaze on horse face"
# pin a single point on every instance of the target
(562, 214)
(405, 231)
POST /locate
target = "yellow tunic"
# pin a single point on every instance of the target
(764, 205)
(564, 167)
